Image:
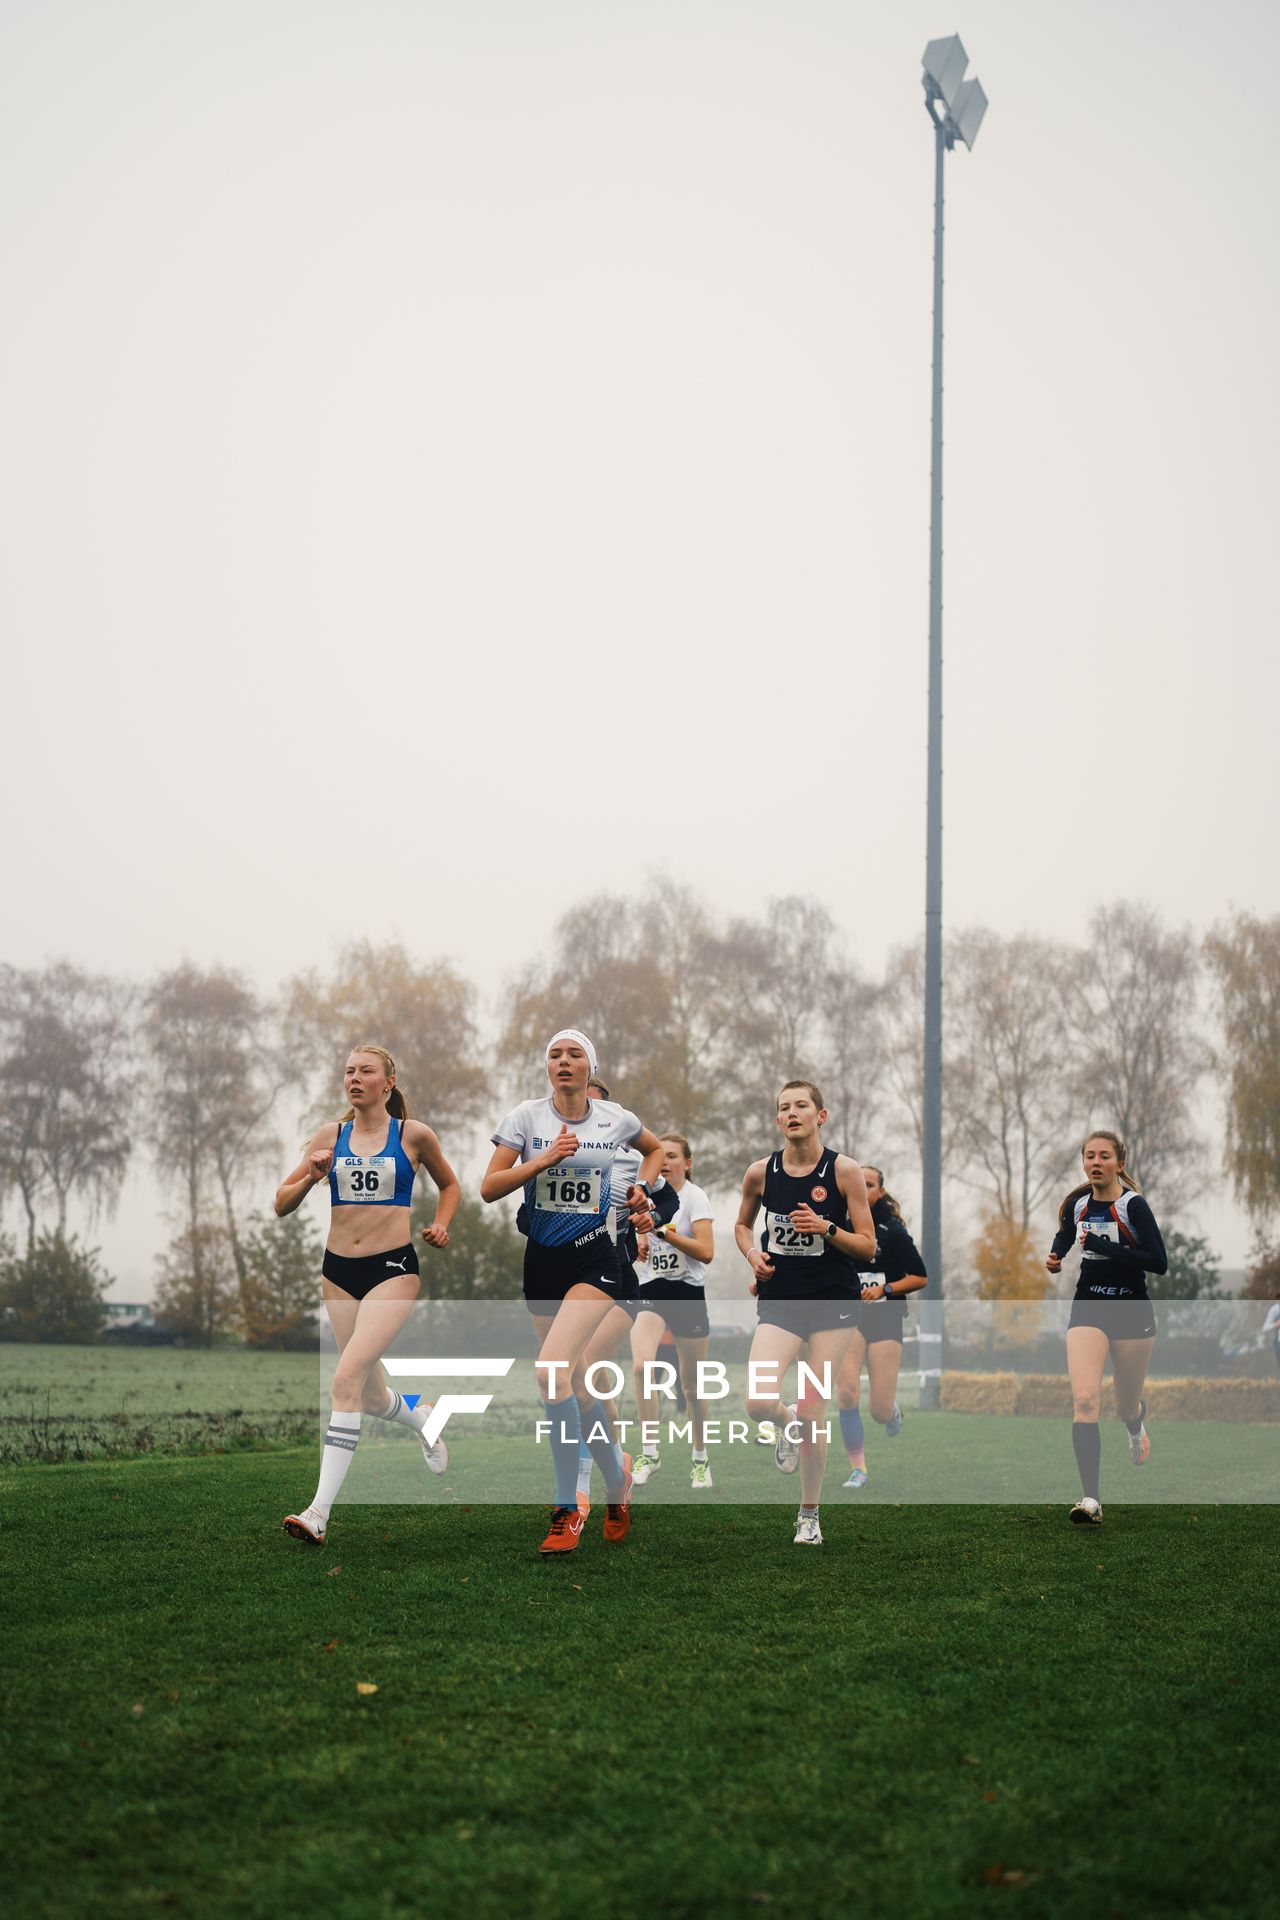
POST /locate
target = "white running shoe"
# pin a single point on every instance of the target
(700, 1474)
(645, 1468)
(808, 1532)
(1139, 1445)
(786, 1453)
(308, 1525)
(766, 1434)
(1087, 1512)
(436, 1456)
(893, 1425)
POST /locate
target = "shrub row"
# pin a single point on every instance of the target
(1049, 1394)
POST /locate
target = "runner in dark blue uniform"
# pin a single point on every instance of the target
(896, 1271)
(817, 1224)
(560, 1150)
(1112, 1312)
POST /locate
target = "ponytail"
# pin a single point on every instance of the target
(885, 1195)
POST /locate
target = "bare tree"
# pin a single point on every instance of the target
(1017, 1138)
(213, 1081)
(67, 1081)
(1244, 956)
(423, 1015)
(1130, 1006)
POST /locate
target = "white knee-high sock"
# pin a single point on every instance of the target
(398, 1408)
(335, 1458)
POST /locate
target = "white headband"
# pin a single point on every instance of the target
(579, 1040)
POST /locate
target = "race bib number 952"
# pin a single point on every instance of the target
(568, 1190)
(789, 1241)
(366, 1180)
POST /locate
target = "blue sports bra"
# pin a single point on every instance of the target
(377, 1180)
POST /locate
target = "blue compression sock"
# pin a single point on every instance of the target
(851, 1429)
(607, 1454)
(566, 1433)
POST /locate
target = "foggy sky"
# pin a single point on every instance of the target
(401, 400)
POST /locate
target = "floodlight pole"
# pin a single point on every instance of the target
(931, 1145)
(956, 107)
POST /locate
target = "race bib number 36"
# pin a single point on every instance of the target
(789, 1241)
(568, 1190)
(366, 1180)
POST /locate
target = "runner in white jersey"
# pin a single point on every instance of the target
(672, 1295)
(560, 1150)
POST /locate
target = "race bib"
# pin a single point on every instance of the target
(568, 1189)
(789, 1241)
(868, 1280)
(667, 1263)
(366, 1180)
(1105, 1230)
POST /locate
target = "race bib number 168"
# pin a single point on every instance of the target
(568, 1189)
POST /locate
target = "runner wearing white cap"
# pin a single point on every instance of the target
(560, 1149)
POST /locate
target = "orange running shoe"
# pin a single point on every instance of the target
(564, 1532)
(617, 1514)
(584, 1503)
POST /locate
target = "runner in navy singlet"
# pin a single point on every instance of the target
(1112, 1313)
(817, 1224)
(896, 1271)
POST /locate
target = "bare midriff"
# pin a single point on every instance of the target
(355, 1232)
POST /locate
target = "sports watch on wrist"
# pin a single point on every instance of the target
(832, 1230)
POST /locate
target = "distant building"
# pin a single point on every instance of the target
(130, 1324)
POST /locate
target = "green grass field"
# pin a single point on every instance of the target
(946, 1710)
(940, 1712)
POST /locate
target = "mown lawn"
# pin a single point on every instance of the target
(944, 1711)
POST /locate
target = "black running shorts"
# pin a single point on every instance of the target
(591, 1261)
(1119, 1318)
(823, 1314)
(683, 1308)
(359, 1277)
(883, 1320)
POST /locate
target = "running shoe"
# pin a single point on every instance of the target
(766, 1434)
(857, 1478)
(564, 1532)
(786, 1453)
(1139, 1444)
(700, 1474)
(1087, 1512)
(436, 1454)
(307, 1525)
(893, 1425)
(808, 1532)
(617, 1514)
(645, 1468)
(584, 1502)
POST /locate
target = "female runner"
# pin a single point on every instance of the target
(617, 1323)
(561, 1150)
(896, 1271)
(370, 1158)
(1112, 1309)
(672, 1294)
(817, 1224)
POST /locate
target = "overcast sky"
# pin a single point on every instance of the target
(400, 398)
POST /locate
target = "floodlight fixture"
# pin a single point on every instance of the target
(963, 102)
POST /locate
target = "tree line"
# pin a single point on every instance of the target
(697, 1018)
